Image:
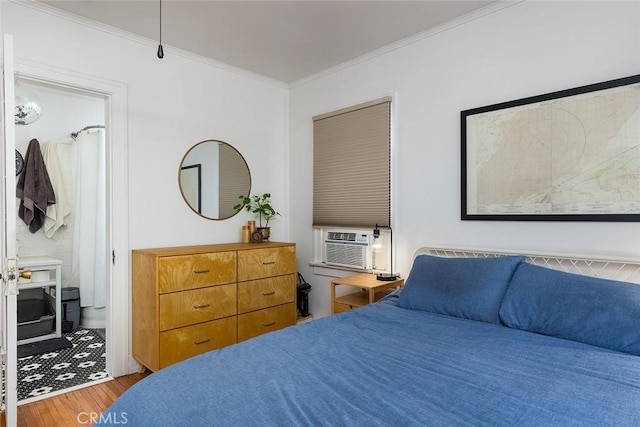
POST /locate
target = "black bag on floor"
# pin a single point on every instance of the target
(303, 296)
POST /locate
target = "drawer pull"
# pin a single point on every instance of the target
(200, 307)
(266, 294)
(206, 340)
(201, 271)
(268, 324)
(268, 262)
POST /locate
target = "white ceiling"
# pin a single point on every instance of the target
(283, 40)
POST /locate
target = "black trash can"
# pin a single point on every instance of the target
(303, 296)
(70, 300)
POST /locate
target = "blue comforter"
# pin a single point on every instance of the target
(385, 365)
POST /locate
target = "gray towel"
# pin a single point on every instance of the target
(34, 188)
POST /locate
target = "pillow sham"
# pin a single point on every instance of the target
(471, 288)
(600, 312)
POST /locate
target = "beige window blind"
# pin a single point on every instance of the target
(351, 166)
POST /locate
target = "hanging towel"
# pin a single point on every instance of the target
(57, 213)
(34, 188)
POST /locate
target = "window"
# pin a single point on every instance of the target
(351, 166)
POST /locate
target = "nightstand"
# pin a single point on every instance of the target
(370, 290)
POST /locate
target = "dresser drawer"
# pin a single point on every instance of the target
(262, 321)
(263, 293)
(268, 262)
(185, 308)
(182, 343)
(176, 273)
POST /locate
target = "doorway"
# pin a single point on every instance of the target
(71, 135)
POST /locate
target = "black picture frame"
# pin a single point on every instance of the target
(537, 131)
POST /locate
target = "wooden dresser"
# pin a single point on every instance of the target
(192, 299)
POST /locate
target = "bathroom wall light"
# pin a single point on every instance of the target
(27, 105)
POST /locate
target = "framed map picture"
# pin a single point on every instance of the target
(572, 155)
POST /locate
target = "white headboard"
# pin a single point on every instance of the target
(604, 268)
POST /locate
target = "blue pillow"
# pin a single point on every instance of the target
(471, 288)
(604, 313)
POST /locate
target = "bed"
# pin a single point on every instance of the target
(474, 338)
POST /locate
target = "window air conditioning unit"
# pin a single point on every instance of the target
(348, 249)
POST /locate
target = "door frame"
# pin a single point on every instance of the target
(9, 270)
(119, 360)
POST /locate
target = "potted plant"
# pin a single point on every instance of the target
(260, 205)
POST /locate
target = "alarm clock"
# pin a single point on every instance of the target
(256, 236)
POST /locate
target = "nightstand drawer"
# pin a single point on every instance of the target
(185, 308)
(182, 343)
(262, 321)
(263, 293)
(268, 262)
(177, 273)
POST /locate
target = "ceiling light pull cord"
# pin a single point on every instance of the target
(160, 50)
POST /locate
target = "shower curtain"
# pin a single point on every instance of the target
(89, 260)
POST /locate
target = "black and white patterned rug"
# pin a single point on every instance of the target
(57, 370)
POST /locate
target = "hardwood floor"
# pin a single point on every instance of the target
(77, 407)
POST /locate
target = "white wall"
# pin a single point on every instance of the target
(527, 49)
(163, 108)
(173, 104)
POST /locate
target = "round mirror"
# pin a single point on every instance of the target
(212, 177)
